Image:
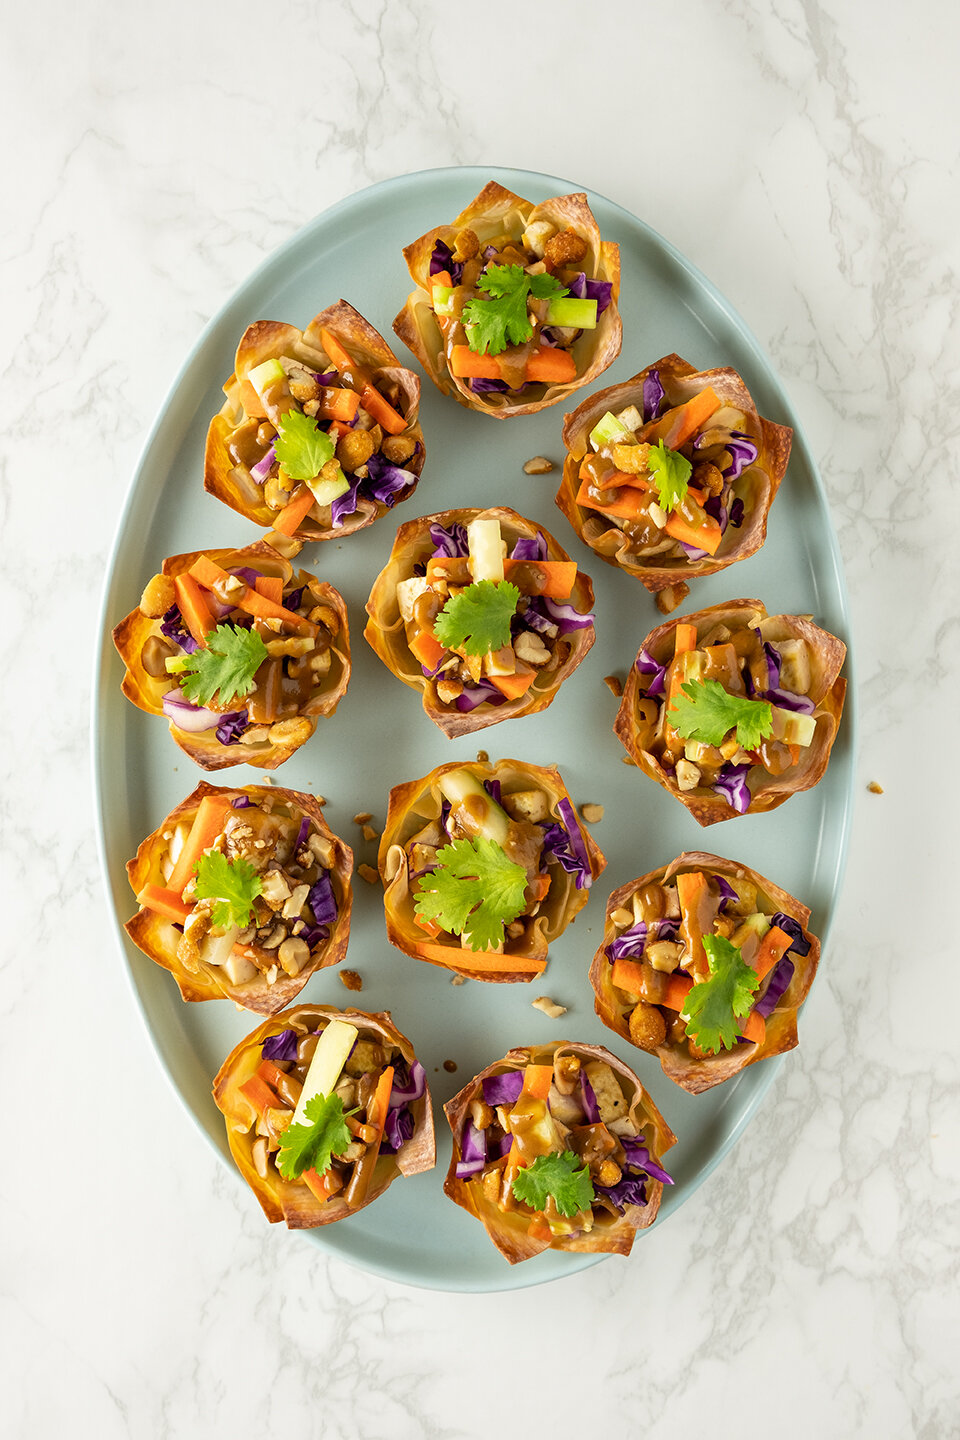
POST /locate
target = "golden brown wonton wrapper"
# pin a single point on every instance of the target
(286, 734)
(509, 1229)
(156, 936)
(386, 633)
(270, 339)
(826, 690)
(497, 212)
(411, 807)
(699, 1074)
(292, 1200)
(756, 487)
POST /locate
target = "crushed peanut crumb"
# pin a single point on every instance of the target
(367, 872)
(458, 979)
(875, 788)
(593, 814)
(627, 760)
(549, 1007)
(362, 816)
(369, 832)
(351, 979)
(674, 595)
(538, 465)
(483, 756)
(614, 684)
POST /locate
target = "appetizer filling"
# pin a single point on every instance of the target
(329, 1102)
(725, 703)
(322, 440)
(249, 885)
(666, 477)
(483, 869)
(511, 311)
(245, 653)
(559, 1144)
(484, 624)
(699, 963)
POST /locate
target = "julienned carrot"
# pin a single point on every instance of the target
(537, 1080)
(485, 961)
(628, 504)
(271, 586)
(538, 889)
(675, 995)
(429, 927)
(539, 1228)
(336, 428)
(377, 1109)
(558, 576)
(337, 404)
(442, 277)
(515, 685)
(773, 947)
(260, 1094)
(164, 902)
(197, 615)
(299, 504)
(754, 1028)
(339, 357)
(552, 365)
(207, 825)
(706, 536)
(425, 647)
(684, 638)
(683, 421)
(467, 365)
(382, 411)
(628, 975)
(271, 1074)
(692, 891)
(207, 572)
(323, 1186)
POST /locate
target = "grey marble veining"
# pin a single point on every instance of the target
(804, 156)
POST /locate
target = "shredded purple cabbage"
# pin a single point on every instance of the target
(714, 507)
(442, 259)
(264, 465)
(563, 840)
(588, 1099)
(646, 665)
(232, 727)
(295, 599)
(630, 944)
(743, 452)
(345, 505)
(397, 1130)
(779, 980)
(668, 928)
(409, 1083)
(282, 1046)
(173, 627)
(302, 833)
(787, 700)
(653, 396)
(312, 935)
(473, 1151)
(727, 891)
(736, 513)
(503, 1089)
(488, 385)
(385, 481)
(731, 783)
(799, 945)
(638, 1155)
(481, 694)
(599, 290)
(321, 899)
(629, 1190)
(329, 377)
(493, 788)
(530, 547)
(186, 716)
(452, 543)
(241, 802)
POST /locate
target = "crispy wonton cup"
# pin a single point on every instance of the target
(756, 486)
(698, 1074)
(411, 807)
(292, 1200)
(386, 632)
(497, 212)
(636, 733)
(285, 735)
(509, 1231)
(232, 482)
(158, 938)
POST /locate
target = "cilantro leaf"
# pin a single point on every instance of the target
(305, 1147)
(555, 1175)
(227, 664)
(301, 447)
(502, 320)
(712, 1005)
(233, 884)
(706, 712)
(478, 619)
(671, 471)
(474, 889)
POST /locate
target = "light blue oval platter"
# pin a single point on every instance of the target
(380, 735)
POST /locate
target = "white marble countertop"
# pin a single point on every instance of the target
(803, 155)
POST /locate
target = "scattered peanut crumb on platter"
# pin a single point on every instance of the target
(368, 873)
(875, 787)
(483, 756)
(458, 979)
(351, 979)
(593, 814)
(614, 684)
(362, 817)
(538, 465)
(627, 760)
(549, 1007)
(674, 595)
(370, 832)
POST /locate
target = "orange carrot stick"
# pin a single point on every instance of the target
(382, 411)
(628, 975)
(685, 638)
(336, 404)
(683, 421)
(197, 615)
(164, 902)
(482, 961)
(323, 1186)
(299, 505)
(425, 647)
(466, 365)
(207, 824)
(754, 1028)
(773, 947)
(338, 355)
(260, 1095)
(558, 576)
(209, 573)
(552, 365)
(271, 586)
(513, 686)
